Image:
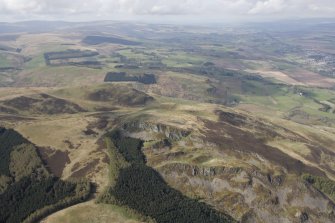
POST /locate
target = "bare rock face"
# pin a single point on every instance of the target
(167, 131)
(234, 170)
(251, 196)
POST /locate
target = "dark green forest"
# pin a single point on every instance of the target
(95, 40)
(142, 189)
(28, 195)
(68, 54)
(8, 140)
(130, 148)
(122, 76)
(35, 194)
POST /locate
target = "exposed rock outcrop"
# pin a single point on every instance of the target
(250, 195)
(169, 132)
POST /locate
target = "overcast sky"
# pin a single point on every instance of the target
(78, 10)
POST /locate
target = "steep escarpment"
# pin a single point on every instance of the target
(251, 195)
(229, 164)
(159, 129)
(141, 188)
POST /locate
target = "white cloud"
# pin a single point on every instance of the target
(268, 7)
(105, 8)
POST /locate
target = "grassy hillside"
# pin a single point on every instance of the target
(219, 122)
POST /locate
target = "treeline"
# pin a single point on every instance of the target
(95, 40)
(28, 195)
(8, 140)
(122, 76)
(9, 49)
(130, 148)
(82, 192)
(27, 190)
(3, 69)
(68, 54)
(208, 69)
(142, 189)
(89, 64)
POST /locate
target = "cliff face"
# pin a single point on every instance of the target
(229, 165)
(169, 132)
(250, 195)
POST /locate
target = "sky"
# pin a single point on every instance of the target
(160, 10)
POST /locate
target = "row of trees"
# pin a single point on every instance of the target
(95, 40)
(68, 54)
(122, 76)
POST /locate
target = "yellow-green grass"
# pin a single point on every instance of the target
(289, 101)
(61, 76)
(181, 59)
(35, 62)
(35, 44)
(130, 54)
(54, 132)
(93, 213)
